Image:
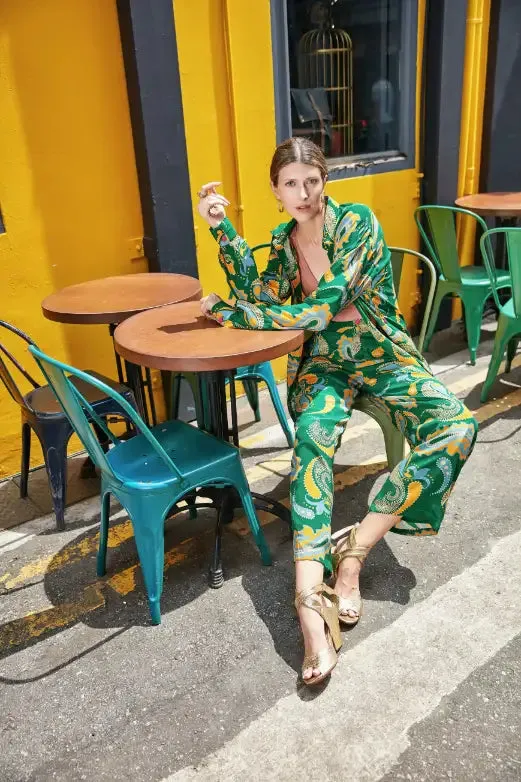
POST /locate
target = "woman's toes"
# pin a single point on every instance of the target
(311, 673)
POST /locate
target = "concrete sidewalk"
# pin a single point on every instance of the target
(428, 684)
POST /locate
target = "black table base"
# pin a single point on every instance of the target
(214, 415)
(139, 381)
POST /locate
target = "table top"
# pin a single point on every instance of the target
(180, 338)
(113, 299)
(498, 204)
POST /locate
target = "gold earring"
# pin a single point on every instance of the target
(281, 208)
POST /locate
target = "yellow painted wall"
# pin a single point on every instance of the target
(68, 188)
(228, 97)
(471, 135)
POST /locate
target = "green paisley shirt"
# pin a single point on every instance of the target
(360, 273)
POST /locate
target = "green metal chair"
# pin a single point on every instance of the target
(470, 283)
(149, 473)
(394, 440)
(508, 331)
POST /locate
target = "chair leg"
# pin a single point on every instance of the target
(26, 456)
(496, 358)
(511, 352)
(251, 515)
(148, 524)
(473, 308)
(101, 561)
(277, 404)
(394, 444)
(438, 298)
(55, 455)
(251, 390)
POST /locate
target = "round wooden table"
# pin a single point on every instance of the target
(506, 208)
(113, 299)
(499, 205)
(180, 339)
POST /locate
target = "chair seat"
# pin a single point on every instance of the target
(43, 400)
(477, 275)
(190, 449)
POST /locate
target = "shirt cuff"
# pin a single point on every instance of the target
(224, 231)
(221, 311)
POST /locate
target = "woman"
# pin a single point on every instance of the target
(332, 261)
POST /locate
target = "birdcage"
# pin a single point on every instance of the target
(325, 61)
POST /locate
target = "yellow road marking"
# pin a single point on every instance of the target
(20, 631)
(74, 552)
(32, 625)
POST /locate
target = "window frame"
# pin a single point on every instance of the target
(368, 163)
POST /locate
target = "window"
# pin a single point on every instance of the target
(345, 76)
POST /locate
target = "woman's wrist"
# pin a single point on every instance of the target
(224, 229)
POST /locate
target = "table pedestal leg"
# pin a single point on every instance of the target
(215, 572)
(133, 377)
(212, 388)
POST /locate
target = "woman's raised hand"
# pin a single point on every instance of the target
(211, 205)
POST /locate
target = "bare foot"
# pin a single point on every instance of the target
(314, 634)
(347, 585)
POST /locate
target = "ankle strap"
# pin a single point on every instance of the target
(318, 589)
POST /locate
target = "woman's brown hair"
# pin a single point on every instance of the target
(297, 150)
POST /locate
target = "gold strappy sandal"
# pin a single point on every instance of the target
(325, 659)
(348, 547)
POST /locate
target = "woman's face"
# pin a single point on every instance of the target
(300, 189)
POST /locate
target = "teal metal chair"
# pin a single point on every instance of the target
(472, 284)
(249, 376)
(508, 331)
(394, 440)
(150, 472)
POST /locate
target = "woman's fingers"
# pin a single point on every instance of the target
(208, 191)
(208, 302)
(216, 201)
(209, 186)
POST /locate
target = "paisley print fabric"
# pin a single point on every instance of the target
(341, 360)
(439, 428)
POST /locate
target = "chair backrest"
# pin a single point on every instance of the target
(6, 368)
(398, 255)
(512, 239)
(260, 247)
(437, 227)
(81, 414)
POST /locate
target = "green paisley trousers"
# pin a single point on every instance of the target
(339, 363)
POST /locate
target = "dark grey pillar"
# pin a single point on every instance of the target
(148, 40)
(501, 149)
(443, 79)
